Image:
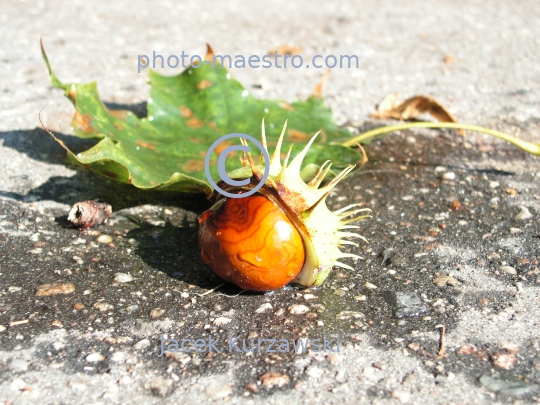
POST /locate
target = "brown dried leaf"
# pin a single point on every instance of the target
(391, 108)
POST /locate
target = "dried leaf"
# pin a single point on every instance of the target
(391, 108)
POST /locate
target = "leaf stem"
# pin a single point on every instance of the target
(530, 147)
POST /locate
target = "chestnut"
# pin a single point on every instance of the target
(250, 242)
(284, 233)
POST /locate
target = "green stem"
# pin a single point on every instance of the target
(530, 147)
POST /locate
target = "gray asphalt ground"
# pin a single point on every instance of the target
(100, 343)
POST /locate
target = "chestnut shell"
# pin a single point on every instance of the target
(251, 242)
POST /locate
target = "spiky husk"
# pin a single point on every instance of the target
(322, 230)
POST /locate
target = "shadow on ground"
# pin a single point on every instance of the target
(84, 185)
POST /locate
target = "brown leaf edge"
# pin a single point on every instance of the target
(411, 108)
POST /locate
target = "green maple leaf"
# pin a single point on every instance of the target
(186, 114)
